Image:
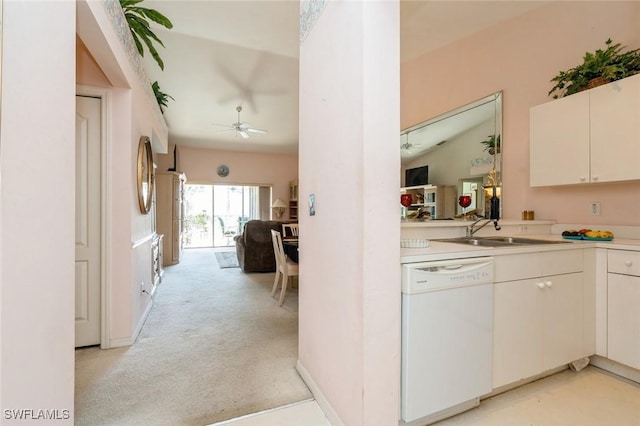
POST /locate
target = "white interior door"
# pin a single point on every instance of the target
(87, 276)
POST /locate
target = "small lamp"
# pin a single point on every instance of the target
(278, 207)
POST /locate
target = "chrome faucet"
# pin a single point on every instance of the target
(472, 230)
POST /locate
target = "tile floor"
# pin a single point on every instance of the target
(305, 413)
(591, 397)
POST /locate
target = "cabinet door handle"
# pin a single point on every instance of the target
(548, 283)
(582, 178)
(628, 263)
(540, 285)
(594, 177)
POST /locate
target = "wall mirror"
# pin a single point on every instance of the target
(461, 150)
(145, 174)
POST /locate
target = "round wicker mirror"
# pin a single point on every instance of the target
(145, 174)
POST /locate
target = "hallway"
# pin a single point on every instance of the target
(215, 346)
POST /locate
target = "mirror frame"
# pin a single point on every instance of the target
(145, 174)
(497, 98)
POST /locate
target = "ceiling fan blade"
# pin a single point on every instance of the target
(240, 127)
(225, 130)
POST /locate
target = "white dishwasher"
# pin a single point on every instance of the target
(447, 337)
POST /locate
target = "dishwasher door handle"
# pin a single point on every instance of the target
(451, 267)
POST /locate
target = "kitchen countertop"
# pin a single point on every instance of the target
(439, 250)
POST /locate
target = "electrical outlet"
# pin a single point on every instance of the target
(595, 209)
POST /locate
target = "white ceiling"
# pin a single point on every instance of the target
(222, 54)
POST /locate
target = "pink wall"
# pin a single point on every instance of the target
(349, 331)
(37, 194)
(87, 70)
(101, 61)
(520, 57)
(245, 168)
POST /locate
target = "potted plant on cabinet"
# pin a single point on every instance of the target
(597, 68)
(492, 144)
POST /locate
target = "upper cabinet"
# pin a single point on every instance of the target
(592, 136)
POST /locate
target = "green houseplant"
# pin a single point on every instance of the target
(492, 144)
(161, 97)
(599, 67)
(138, 20)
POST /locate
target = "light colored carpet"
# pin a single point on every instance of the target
(227, 259)
(215, 346)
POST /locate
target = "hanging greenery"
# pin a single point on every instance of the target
(161, 97)
(138, 19)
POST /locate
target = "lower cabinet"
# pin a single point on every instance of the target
(517, 331)
(538, 314)
(623, 300)
(562, 320)
(537, 326)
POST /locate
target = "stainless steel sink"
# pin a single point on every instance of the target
(522, 240)
(498, 241)
(472, 241)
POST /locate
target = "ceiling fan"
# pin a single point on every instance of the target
(406, 146)
(241, 128)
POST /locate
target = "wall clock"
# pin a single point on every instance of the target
(223, 171)
(145, 174)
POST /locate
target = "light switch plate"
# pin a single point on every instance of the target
(312, 204)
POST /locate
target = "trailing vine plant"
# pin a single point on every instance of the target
(138, 20)
(161, 97)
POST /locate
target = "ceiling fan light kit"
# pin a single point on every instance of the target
(240, 128)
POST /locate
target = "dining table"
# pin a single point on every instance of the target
(290, 247)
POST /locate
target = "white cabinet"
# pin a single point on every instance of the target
(562, 320)
(538, 313)
(293, 200)
(591, 136)
(170, 214)
(623, 302)
(440, 201)
(517, 336)
(559, 141)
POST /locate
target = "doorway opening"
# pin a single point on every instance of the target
(215, 214)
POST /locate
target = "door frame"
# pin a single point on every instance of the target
(104, 94)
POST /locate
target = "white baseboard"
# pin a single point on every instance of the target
(322, 401)
(119, 343)
(616, 368)
(128, 341)
(143, 319)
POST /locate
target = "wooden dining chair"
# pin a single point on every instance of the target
(290, 230)
(285, 267)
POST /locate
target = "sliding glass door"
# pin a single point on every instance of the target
(217, 213)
